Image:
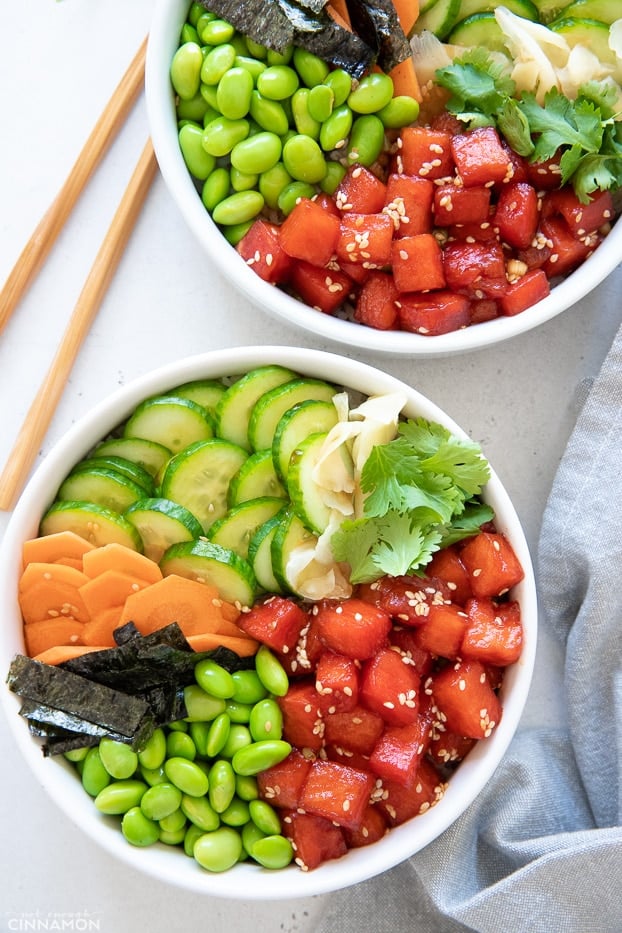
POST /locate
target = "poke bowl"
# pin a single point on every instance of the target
(442, 275)
(66, 538)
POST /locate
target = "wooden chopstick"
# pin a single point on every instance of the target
(40, 243)
(40, 413)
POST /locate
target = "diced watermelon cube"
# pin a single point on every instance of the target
(336, 681)
(409, 204)
(442, 630)
(360, 191)
(417, 263)
(353, 628)
(276, 622)
(480, 157)
(491, 563)
(465, 699)
(261, 250)
(455, 204)
(399, 750)
(517, 214)
(390, 687)
(303, 725)
(399, 803)
(494, 632)
(281, 785)
(447, 564)
(356, 730)
(530, 288)
(324, 289)
(314, 839)
(371, 828)
(435, 313)
(375, 303)
(336, 792)
(425, 152)
(365, 239)
(310, 232)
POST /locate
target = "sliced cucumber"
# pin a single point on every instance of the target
(272, 405)
(234, 409)
(591, 33)
(291, 533)
(235, 529)
(304, 492)
(161, 523)
(205, 392)
(605, 11)
(92, 522)
(147, 454)
(199, 476)
(207, 562)
(256, 477)
(481, 29)
(122, 465)
(550, 9)
(171, 421)
(101, 486)
(310, 417)
(440, 18)
(425, 5)
(524, 8)
(260, 554)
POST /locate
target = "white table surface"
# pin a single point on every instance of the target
(59, 62)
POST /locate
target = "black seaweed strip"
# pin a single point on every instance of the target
(262, 21)
(378, 24)
(340, 47)
(316, 6)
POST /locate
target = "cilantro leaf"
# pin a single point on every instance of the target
(468, 524)
(561, 122)
(353, 544)
(403, 545)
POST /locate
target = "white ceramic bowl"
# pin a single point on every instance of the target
(58, 778)
(163, 40)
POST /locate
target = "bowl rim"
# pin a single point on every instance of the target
(248, 881)
(167, 19)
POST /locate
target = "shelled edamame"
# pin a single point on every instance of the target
(193, 784)
(259, 129)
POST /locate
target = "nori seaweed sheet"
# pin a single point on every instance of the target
(377, 23)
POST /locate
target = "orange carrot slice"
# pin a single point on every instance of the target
(49, 548)
(244, 647)
(60, 653)
(116, 556)
(39, 636)
(407, 13)
(36, 572)
(405, 80)
(174, 599)
(99, 631)
(110, 588)
(48, 599)
(338, 11)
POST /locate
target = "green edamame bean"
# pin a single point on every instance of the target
(270, 671)
(180, 745)
(238, 207)
(233, 95)
(217, 735)
(120, 796)
(303, 159)
(76, 754)
(186, 70)
(202, 706)
(221, 785)
(269, 114)
(172, 837)
(195, 12)
(374, 91)
(214, 679)
(189, 34)
(277, 82)
(221, 135)
(193, 109)
(236, 814)
(198, 162)
(264, 817)
(173, 822)
(312, 69)
(215, 190)
(239, 736)
(191, 835)
(238, 41)
(208, 92)
(274, 851)
(94, 775)
(334, 176)
(242, 181)
(334, 132)
(246, 787)
(272, 182)
(266, 720)
(160, 801)
(340, 83)
(238, 712)
(219, 850)
(291, 195)
(138, 829)
(400, 111)
(321, 102)
(366, 139)
(253, 65)
(153, 776)
(199, 732)
(236, 232)
(248, 687)
(200, 812)
(301, 115)
(260, 755)
(117, 758)
(205, 17)
(250, 835)
(216, 32)
(280, 58)
(256, 154)
(256, 49)
(187, 776)
(178, 726)
(217, 63)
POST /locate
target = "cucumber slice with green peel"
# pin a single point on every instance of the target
(256, 477)
(310, 417)
(524, 8)
(92, 522)
(481, 29)
(235, 529)
(102, 486)
(207, 562)
(199, 476)
(127, 468)
(591, 33)
(147, 454)
(291, 533)
(234, 409)
(551, 9)
(174, 422)
(304, 492)
(270, 408)
(260, 554)
(425, 5)
(440, 18)
(605, 11)
(205, 392)
(162, 523)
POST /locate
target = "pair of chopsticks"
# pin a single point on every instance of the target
(39, 245)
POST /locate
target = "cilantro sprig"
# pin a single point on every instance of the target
(584, 129)
(421, 493)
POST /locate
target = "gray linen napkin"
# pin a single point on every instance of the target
(540, 850)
